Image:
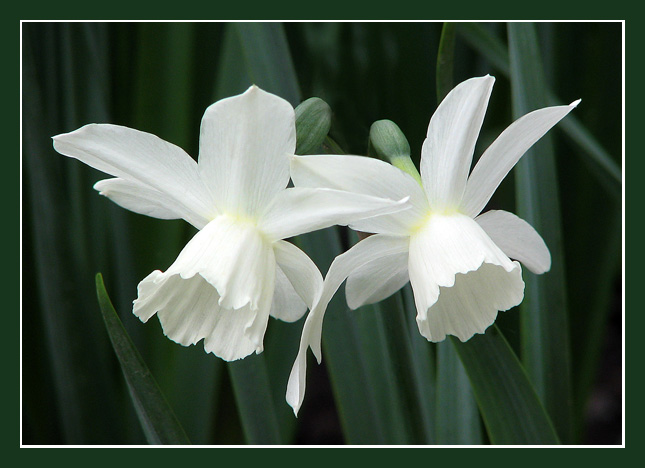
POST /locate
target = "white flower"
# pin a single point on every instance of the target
(237, 270)
(456, 260)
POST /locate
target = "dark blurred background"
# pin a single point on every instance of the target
(159, 78)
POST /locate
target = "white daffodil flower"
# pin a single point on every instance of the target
(237, 270)
(456, 259)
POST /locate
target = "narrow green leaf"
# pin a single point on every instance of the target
(255, 404)
(258, 53)
(510, 408)
(162, 65)
(423, 363)
(457, 417)
(407, 380)
(374, 376)
(606, 170)
(479, 37)
(385, 343)
(155, 415)
(445, 61)
(601, 162)
(544, 312)
(343, 356)
(83, 388)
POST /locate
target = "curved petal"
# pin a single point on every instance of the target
(142, 158)
(447, 152)
(244, 147)
(287, 305)
(299, 210)
(517, 239)
(360, 174)
(377, 280)
(189, 310)
(142, 199)
(505, 151)
(460, 278)
(361, 254)
(300, 270)
(232, 256)
(299, 278)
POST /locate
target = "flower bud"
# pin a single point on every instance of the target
(313, 121)
(388, 142)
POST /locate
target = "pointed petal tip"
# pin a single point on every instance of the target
(294, 406)
(575, 103)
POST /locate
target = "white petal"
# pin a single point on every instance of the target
(447, 151)
(220, 288)
(460, 278)
(142, 158)
(368, 176)
(361, 254)
(189, 311)
(287, 305)
(505, 151)
(300, 280)
(143, 199)
(299, 210)
(244, 148)
(301, 271)
(297, 383)
(377, 280)
(234, 257)
(517, 239)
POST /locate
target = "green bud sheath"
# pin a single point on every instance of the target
(388, 142)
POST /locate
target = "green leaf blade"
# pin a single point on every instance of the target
(510, 408)
(155, 415)
(255, 404)
(544, 312)
(597, 158)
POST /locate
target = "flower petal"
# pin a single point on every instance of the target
(142, 158)
(140, 198)
(300, 280)
(299, 210)
(232, 256)
(505, 151)
(244, 149)
(287, 305)
(447, 151)
(377, 280)
(301, 271)
(517, 239)
(189, 310)
(460, 278)
(361, 254)
(368, 176)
